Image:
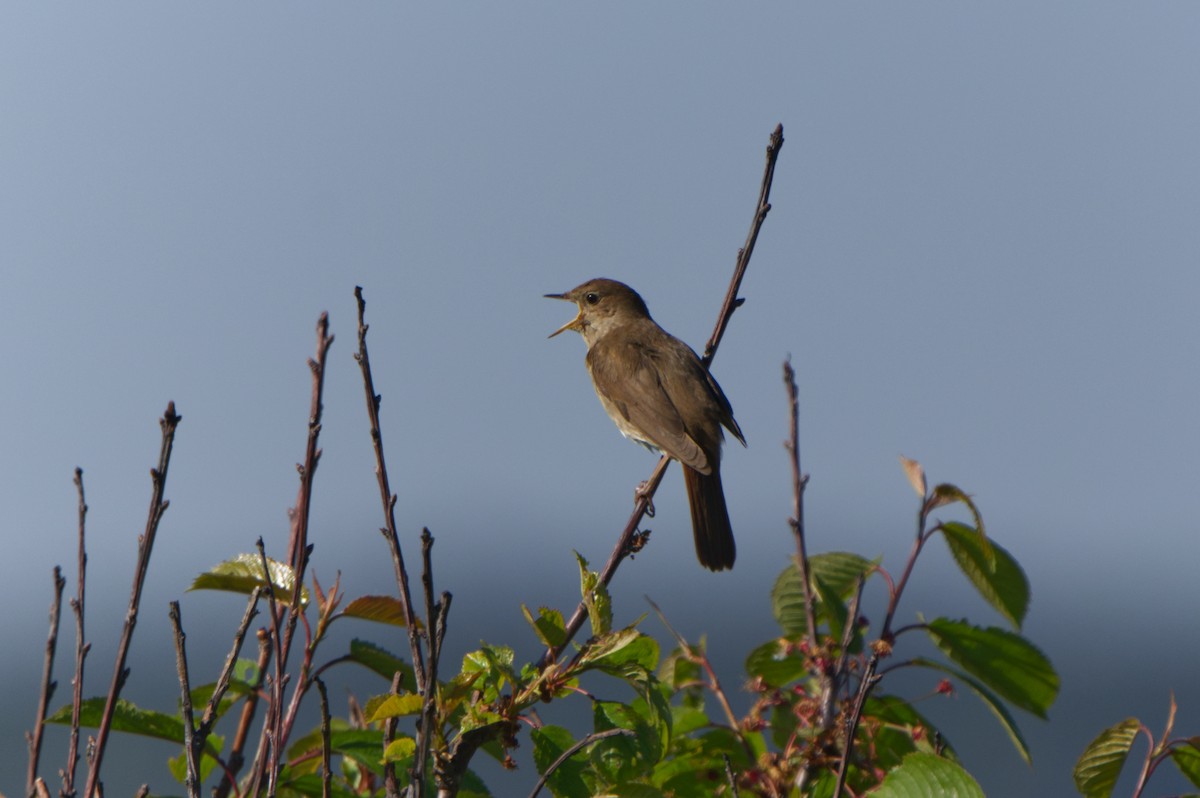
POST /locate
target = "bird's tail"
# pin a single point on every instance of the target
(710, 519)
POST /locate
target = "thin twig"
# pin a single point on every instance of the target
(48, 683)
(264, 765)
(797, 519)
(237, 749)
(158, 506)
(214, 702)
(388, 499)
(729, 777)
(326, 771)
(714, 683)
(81, 647)
(646, 493)
(864, 689)
(195, 737)
(732, 302)
(390, 783)
(435, 613)
(192, 781)
(574, 749)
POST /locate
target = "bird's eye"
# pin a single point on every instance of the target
(591, 297)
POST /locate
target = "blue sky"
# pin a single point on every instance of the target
(983, 255)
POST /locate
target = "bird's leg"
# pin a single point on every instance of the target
(642, 492)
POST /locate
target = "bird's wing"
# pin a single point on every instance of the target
(629, 384)
(726, 409)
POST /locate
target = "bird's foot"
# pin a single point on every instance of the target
(642, 492)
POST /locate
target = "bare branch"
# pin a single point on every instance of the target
(192, 782)
(158, 506)
(326, 772)
(81, 647)
(797, 521)
(48, 683)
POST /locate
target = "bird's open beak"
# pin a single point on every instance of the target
(573, 324)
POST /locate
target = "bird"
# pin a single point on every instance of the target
(659, 393)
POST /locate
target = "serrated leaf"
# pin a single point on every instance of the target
(380, 609)
(945, 494)
(381, 661)
(244, 572)
(1100, 765)
(1002, 660)
(551, 742)
(622, 757)
(310, 785)
(990, 701)
(837, 572)
(548, 626)
(595, 598)
(915, 474)
(923, 775)
(1186, 756)
(993, 571)
(178, 764)
(616, 650)
(127, 717)
(902, 731)
(399, 750)
(775, 665)
(634, 789)
(382, 707)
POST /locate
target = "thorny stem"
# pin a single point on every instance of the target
(158, 506)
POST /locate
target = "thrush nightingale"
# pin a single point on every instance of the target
(657, 392)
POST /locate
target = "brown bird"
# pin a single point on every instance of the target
(659, 393)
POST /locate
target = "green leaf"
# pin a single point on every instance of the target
(1186, 756)
(923, 775)
(381, 609)
(245, 572)
(548, 626)
(993, 571)
(990, 700)
(634, 790)
(491, 667)
(837, 572)
(127, 717)
(619, 652)
(776, 664)
(382, 707)
(595, 598)
(621, 758)
(400, 749)
(901, 731)
(311, 785)
(381, 661)
(178, 764)
(364, 746)
(201, 695)
(551, 742)
(1005, 662)
(677, 669)
(1100, 764)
